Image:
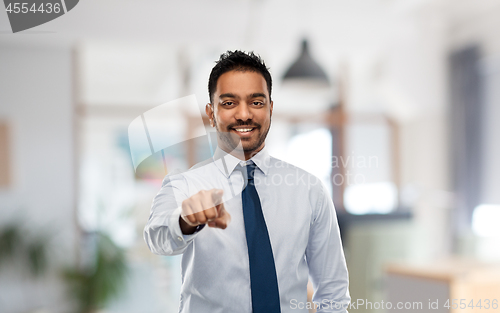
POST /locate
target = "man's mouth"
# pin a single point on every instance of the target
(243, 130)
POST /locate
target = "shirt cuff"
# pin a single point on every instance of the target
(175, 228)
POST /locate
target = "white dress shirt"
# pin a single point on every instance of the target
(302, 226)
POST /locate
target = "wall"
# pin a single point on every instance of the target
(478, 25)
(36, 101)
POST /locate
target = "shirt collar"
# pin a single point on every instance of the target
(226, 162)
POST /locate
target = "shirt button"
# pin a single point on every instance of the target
(179, 238)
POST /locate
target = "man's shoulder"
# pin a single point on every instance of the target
(287, 170)
(200, 170)
(297, 180)
(279, 165)
(203, 164)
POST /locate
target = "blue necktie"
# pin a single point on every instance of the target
(263, 280)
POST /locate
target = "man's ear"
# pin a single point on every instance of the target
(209, 110)
(271, 106)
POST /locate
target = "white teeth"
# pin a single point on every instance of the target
(243, 130)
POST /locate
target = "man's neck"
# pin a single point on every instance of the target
(242, 155)
(249, 155)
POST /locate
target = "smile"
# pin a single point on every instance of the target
(243, 130)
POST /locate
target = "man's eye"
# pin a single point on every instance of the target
(228, 103)
(257, 103)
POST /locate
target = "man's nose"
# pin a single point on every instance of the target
(243, 112)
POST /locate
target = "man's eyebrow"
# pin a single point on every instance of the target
(257, 95)
(228, 95)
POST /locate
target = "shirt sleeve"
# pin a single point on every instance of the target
(162, 232)
(325, 258)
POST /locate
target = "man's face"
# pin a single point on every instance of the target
(241, 111)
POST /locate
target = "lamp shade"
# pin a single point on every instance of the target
(305, 68)
(305, 88)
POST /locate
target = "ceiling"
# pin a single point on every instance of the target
(152, 38)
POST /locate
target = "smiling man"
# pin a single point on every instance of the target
(241, 110)
(264, 241)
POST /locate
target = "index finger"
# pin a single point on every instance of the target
(220, 207)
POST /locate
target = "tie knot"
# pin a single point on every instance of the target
(251, 170)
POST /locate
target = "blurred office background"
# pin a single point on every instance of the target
(392, 103)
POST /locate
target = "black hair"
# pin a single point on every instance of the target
(239, 61)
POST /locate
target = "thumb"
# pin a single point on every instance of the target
(217, 196)
(222, 221)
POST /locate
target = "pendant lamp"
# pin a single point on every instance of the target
(306, 69)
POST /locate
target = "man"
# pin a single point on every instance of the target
(271, 225)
